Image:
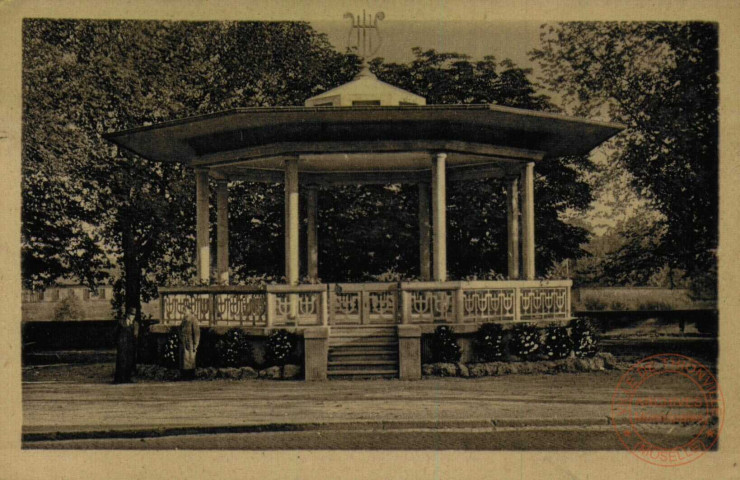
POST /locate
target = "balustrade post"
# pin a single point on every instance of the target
(213, 306)
(517, 304)
(324, 308)
(405, 307)
(460, 304)
(270, 309)
(161, 307)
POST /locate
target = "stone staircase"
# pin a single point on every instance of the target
(363, 352)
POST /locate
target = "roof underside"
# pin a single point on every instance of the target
(363, 139)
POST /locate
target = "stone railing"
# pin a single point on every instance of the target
(370, 303)
(276, 305)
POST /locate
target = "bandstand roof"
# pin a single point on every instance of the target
(365, 144)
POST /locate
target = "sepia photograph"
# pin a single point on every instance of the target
(363, 231)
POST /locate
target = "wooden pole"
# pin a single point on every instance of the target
(439, 214)
(527, 186)
(425, 227)
(202, 222)
(312, 249)
(512, 221)
(222, 231)
(291, 221)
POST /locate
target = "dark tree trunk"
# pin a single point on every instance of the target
(127, 326)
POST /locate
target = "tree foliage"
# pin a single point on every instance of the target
(660, 79)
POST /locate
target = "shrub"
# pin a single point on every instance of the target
(279, 347)
(557, 342)
(617, 306)
(655, 306)
(233, 349)
(594, 304)
(171, 349)
(525, 341)
(69, 309)
(444, 346)
(489, 342)
(583, 337)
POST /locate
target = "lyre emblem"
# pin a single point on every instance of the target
(360, 38)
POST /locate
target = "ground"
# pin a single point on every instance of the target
(77, 407)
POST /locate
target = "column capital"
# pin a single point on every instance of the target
(439, 155)
(201, 169)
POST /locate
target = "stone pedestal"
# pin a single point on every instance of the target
(409, 352)
(316, 352)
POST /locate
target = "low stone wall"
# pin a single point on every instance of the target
(601, 361)
(159, 373)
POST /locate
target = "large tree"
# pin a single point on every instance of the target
(86, 202)
(660, 79)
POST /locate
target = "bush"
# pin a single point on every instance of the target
(655, 306)
(489, 342)
(525, 341)
(69, 309)
(594, 304)
(279, 347)
(233, 349)
(444, 346)
(557, 342)
(171, 349)
(583, 336)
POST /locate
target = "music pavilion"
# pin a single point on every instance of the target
(367, 132)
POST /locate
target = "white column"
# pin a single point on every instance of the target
(291, 221)
(202, 224)
(222, 231)
(439, 215)
(512, 222)
(312, 249)
(527, 186)
(425, 227)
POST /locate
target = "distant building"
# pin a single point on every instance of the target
(93, 305)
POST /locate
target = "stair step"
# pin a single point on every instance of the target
(342, 363)
(362, 342)
(368, 373)
(362, 352)
(370, 334)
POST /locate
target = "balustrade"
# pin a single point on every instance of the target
(369, 303)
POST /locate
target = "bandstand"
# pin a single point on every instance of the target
(367, 132)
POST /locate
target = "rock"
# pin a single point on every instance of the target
(446, 369)
(427, 369)
(229, 373)
(463, 369)
(491, 368)
(582, 365)
(610, 361)
(271, 373)
(291, 371)
(477, 370)
(598, 363)
(526, 367)
(247, 372)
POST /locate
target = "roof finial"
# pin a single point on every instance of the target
(361, 34)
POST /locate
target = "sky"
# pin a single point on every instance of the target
(475, 38)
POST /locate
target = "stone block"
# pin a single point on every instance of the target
(316, 353)
(409, 352)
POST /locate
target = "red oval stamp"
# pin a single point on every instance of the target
(668, 410)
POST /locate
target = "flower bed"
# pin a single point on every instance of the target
(601, 361)
(160, 373)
